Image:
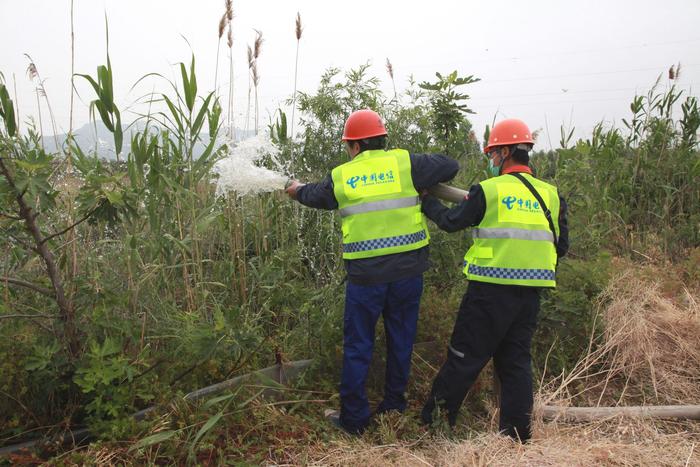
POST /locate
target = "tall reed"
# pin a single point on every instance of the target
(229, 43)
(298, 30)
(251, 61)
(73, 266)
(72, 72)
(33, 73)
(257, 48)
(223, 22)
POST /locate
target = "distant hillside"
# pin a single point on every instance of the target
(97, 138)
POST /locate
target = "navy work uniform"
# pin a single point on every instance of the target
(385, 254)
(512, 258)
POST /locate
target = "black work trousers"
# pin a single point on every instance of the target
(493, 321)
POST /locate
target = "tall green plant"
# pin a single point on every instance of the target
(448, 110)
(28, 192)
(644, 177)
(104, 104)
(298, 29)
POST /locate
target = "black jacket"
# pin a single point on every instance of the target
(470, 212)
(426, 170)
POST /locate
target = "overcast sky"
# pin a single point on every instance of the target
(549, 62)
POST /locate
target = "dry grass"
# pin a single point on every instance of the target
(617, 442)
(660, 340)
(647, 351)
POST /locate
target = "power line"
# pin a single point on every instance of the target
(559, 102)
(549, 54)
(569, 92)
(575, 75)
(587, 51)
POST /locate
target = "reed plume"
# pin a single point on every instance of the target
(229, 10)
(390, 70)
(257, 48)
(674, 73)
(299, 29)
(225, 20)
(33, 74)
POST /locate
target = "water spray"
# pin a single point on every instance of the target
(239, 172)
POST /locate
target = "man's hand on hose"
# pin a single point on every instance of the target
(292, 188)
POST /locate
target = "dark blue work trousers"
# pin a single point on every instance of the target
(398, 302)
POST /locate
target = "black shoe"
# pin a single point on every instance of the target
(333, 416)
(520, 434)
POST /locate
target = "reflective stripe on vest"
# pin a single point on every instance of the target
(387, 242)
(380, 206)
(520, 234)
(510, 273)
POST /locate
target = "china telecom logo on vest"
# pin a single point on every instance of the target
(374, 178)
(520, 204)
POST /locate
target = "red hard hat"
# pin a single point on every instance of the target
(507, 132)
(363, 124)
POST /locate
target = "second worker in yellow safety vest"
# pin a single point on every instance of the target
(385, 248)
(520, 232)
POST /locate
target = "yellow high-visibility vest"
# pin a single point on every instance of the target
(379, 206)
(513, 244)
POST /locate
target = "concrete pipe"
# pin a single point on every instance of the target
(448, 193)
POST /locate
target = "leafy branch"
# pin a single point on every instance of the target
(448, 110)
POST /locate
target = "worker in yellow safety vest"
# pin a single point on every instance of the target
(385, 250)
(520, 231)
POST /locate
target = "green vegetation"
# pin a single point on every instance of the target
(126, 284)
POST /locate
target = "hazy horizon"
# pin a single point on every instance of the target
(549, 63)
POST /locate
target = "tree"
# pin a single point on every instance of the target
(448, 112)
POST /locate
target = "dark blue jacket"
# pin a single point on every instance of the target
(426, 170)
